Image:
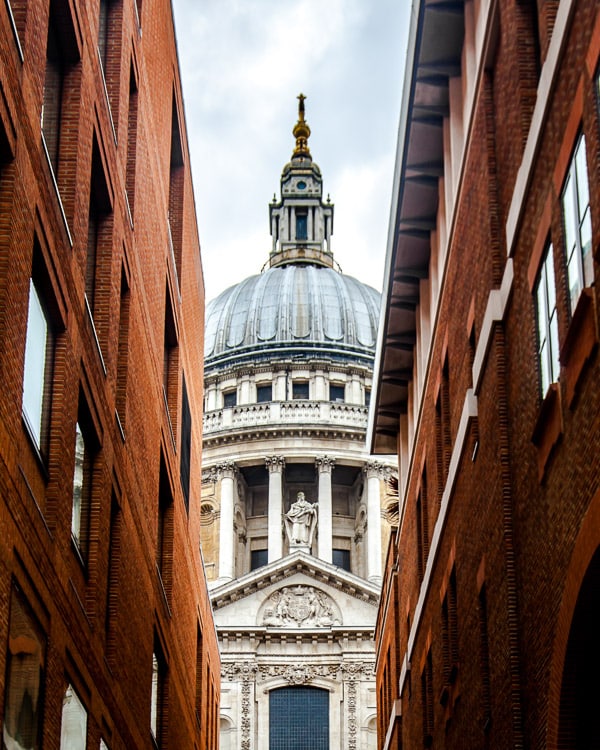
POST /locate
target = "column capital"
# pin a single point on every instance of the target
(376, 469)
(324, 464)
(226, 470)
(275, 464)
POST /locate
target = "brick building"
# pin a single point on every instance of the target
(486, 382)
(106, 632)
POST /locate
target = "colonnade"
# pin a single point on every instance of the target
(226, 475)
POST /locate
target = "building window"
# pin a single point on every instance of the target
(99, 243)
(112, 581)
(264, 393)
(300, 389)
(341, 558)
(176, 175)
(25, 671)
(157, 695)
(123, 347)
(186, 445)
(484, 658)
(367, 396)
(442, 430)
(301, 225)
(199, 654)
(298, 712)
(547, 323)
(427, 700)
(422, 514)
(131, 140)
(164, 547)
(258, 558)
(86, 448)
(73, 728)
(450, 632)
(337, 393)
(61, 55)
(37, 369)
(229, 399)
(170, 363)
(577, 224)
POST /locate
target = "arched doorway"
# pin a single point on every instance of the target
(299, 718)
(579, 728)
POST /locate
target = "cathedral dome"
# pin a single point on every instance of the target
(289, 310)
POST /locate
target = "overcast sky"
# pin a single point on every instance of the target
(243, 63)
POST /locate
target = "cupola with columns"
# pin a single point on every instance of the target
(301, 223)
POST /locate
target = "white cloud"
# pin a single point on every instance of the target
(243, 63)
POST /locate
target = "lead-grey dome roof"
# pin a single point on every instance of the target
(289, 311)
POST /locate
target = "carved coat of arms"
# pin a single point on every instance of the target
(300, 606)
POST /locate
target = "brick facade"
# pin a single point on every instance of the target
(485, 634)
(101, 331)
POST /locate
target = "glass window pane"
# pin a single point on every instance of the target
(569, 216)
(78, 478)
(583, 194)
(73, 728)
(35, 364)
(26, 662)
(299, 719)
(154, 697)
(586, 247)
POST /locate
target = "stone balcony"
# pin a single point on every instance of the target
(282, 413)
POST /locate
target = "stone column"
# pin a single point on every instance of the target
(325, 547)
(374, 472)
(226, 472)
(275, 466)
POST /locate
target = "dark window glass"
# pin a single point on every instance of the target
(258, 558)
(264, 393)
(301, 226)
(341, 558)
(229, 399)
(300, 390)
(24, 685)
(170, 362)
(186, 445)
(299, 719)
(86, 449)
(336, 393)
(367, 397)
(61, 55)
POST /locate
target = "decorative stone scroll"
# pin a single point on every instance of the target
(298, 674)
(299, 607)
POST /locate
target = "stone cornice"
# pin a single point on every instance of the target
(280, 570)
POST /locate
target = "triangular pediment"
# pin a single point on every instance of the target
(297, 592)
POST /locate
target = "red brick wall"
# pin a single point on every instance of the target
(103, 641)
(514, 518)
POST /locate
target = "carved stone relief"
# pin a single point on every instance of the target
(299, 607)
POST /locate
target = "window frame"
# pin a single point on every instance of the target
(578, 254)
(546, 316)
(17, 597)
(298, 385)
(38, 424)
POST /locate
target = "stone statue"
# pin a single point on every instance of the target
(300, 522)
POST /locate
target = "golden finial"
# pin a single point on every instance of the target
(301, 131)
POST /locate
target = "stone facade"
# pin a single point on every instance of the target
(293, 508)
